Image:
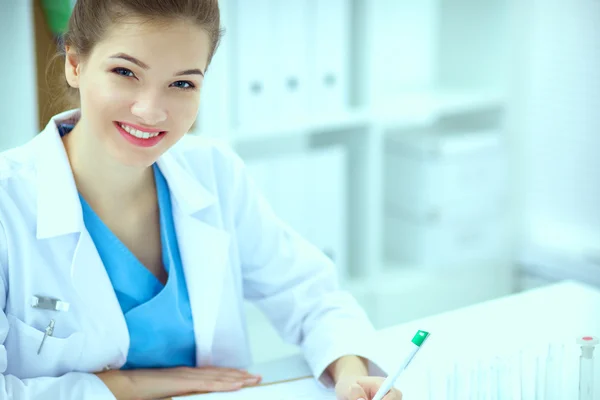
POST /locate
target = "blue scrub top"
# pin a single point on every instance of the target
(158, 316)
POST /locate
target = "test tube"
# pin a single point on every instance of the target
(586, 367)
(554, 386)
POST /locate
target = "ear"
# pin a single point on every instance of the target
(72, 67)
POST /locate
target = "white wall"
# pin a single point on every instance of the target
(18, 97)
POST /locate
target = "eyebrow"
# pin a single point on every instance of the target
(141, 64)
(194, 71)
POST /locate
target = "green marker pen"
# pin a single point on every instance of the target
(417, 341)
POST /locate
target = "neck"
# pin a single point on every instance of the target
(107, 185)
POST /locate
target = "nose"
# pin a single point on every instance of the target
(149, 110)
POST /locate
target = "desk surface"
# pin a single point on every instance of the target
(559, 312)
(556, 313)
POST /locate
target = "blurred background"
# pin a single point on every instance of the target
(441, 152)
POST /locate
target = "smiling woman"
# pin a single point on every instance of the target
(143, 73)
(147, 244)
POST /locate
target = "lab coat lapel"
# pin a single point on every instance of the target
(204, 249)
(60, 214)
(95, 289)
(204, 254)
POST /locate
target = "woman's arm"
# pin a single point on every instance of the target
(150, 384)
(293, 282)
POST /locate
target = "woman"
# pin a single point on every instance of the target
(127, 250)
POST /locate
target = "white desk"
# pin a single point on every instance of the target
(555, 313)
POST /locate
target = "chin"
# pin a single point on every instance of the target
(129, 159)
(130, 155)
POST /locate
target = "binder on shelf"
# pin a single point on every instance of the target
(398, 49)
(326, 203)
(330, 56)
(254, 61)
(214, 113)
(307, 191)
(291, 48)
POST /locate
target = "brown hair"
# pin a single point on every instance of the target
(90, 20)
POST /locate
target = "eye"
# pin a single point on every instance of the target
(185, 85)
(124, 72)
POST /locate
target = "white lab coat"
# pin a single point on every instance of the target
(232, 246)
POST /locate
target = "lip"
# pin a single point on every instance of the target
(139, 128)
(137, 141)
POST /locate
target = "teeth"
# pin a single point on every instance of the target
(137, 133)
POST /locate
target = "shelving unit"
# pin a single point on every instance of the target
(407, 66)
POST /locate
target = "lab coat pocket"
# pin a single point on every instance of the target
(57, 355)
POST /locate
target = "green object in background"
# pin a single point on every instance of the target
(57, 14)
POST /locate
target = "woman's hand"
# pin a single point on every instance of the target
(362, 387)
(350, 373)
(164, 383)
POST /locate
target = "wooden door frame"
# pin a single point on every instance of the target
(48, 77)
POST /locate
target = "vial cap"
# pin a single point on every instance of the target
(589, 341)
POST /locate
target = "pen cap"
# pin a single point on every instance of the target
(420, 338)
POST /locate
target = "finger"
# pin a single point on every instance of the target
(393, 394)
(225, 378)
(225, 373)
(356, 392)
(246, 379)
(228, 371)
(209, 380)
(370, 385)
(217, 386)
(221, 377)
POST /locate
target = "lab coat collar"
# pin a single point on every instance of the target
(189, 194)
(58, 203)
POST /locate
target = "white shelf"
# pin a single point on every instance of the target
(410, 111)
(415, 109)
(301, 126)
(422, 108)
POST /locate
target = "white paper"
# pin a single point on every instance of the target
(304, 389)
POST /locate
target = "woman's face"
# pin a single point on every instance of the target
(140, 87)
